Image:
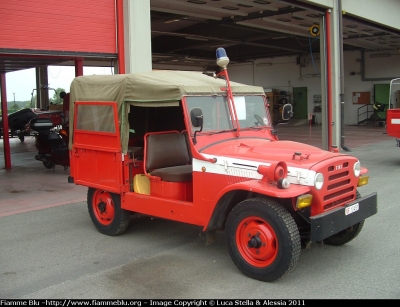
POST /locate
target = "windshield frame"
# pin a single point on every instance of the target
(216, 115)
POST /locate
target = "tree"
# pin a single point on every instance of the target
(56, 96)
(27, 104)
(14, 108)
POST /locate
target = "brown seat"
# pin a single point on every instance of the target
(167, 157)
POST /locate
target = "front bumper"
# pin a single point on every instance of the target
(329, 223)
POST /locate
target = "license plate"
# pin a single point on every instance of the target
(352, 209)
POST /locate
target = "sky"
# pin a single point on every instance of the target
(21, 83)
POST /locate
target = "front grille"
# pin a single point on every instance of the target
(337, 176)
(338, 184)
(339, 188)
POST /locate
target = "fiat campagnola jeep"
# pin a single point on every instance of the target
(202, 150)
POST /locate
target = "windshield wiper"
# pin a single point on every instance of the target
(255, 127)
(216, 131)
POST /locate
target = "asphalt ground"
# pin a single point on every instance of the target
(49, 248)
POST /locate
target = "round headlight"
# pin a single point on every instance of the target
(357, 169)
(319, 181)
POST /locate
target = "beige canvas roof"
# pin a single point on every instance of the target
(156, 87)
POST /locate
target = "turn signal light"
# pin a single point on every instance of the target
(363, 180)
(304, 201)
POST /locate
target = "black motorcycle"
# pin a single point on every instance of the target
(51, 144)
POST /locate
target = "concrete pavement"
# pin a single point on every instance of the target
(49, 248)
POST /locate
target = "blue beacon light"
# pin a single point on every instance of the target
(222, 59)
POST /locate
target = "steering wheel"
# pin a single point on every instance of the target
(259, 119)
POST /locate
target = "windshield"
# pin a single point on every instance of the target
(250, 110)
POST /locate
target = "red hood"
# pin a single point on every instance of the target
(270, 151)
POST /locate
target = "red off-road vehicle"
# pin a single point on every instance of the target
(202, 150)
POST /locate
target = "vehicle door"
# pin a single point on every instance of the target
(96, 155)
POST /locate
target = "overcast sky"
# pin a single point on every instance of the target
(21, 83)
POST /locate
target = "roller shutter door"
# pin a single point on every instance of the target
(73, 25)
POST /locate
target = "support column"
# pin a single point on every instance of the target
(6, 140)
(335, 73)
(120, 68)
(37, 88)
(329, 55)
(341, 74)
(78, 67)
(137, 32)
(42, 91)
(324, 82)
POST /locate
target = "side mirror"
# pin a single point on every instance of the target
(287, 111)
(196, 117)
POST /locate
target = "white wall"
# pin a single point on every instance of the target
(283, 74)
(380, 12)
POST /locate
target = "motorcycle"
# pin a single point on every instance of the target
(52, 145)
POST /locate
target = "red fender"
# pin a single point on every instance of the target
(257, 186)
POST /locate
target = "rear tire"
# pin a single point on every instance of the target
(263, 239)
(106, 213)
(48, 164)
(347, 234)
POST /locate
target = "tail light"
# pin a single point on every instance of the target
(63, 132)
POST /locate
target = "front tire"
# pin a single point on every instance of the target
(106, 213)
(263, 239)
(346, 235)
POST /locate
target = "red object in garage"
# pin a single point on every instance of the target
(55, 116)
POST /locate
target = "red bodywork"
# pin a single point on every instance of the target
(393, 122)
(181, 146)
(96, 161)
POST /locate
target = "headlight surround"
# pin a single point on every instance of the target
(319, 181)
(357, 169)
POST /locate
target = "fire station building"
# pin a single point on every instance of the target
(330, 47)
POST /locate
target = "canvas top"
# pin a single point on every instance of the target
(153, 88)
(157, 85)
